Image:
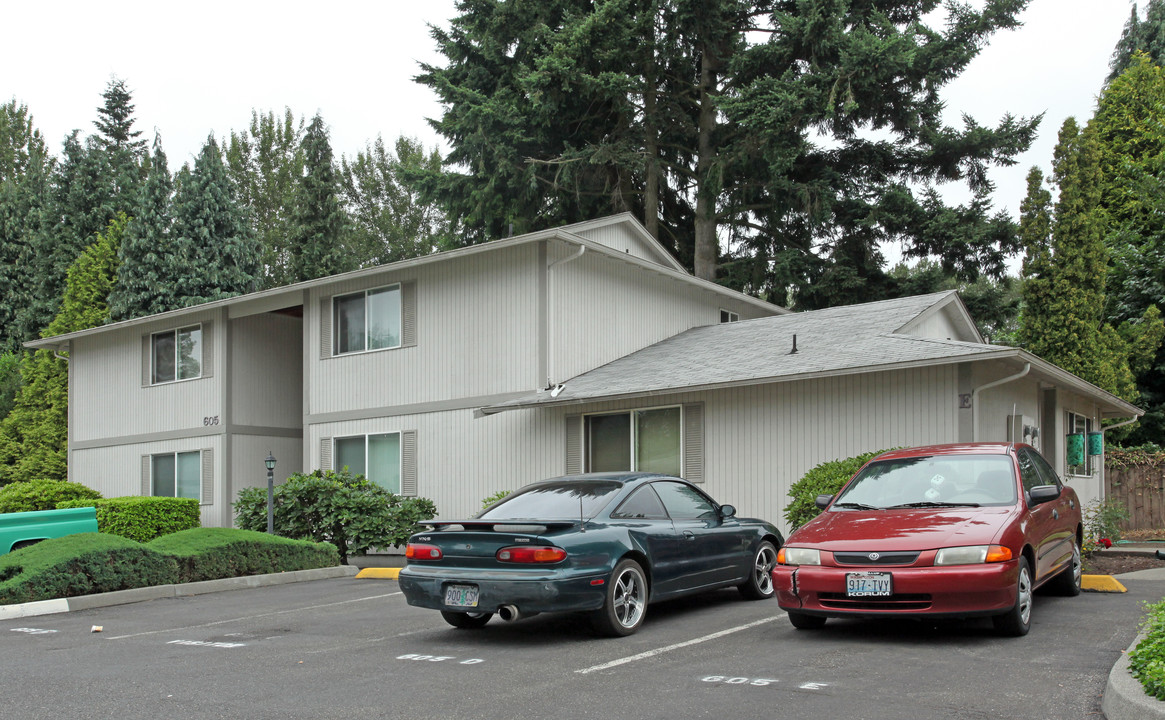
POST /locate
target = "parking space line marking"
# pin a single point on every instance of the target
(677, 646)
(253, 617)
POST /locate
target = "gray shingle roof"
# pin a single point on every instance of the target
(834, 340)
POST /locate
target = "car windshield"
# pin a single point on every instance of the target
(936, 481)
(565, 500)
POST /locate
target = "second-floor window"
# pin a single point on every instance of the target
(176, 355)
(368, 320)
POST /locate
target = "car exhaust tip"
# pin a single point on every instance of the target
(509, 613)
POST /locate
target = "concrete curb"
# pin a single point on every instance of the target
(157, 592)
(1124, 696)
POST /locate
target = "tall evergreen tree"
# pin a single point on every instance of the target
(390, 219)
(265, 164)
(1063, 317)
(147, 260)
(319, 228)
(124, 150)
(1140, 36)
(213, 243)
(710, 114)
(25, 167)
(34, 435)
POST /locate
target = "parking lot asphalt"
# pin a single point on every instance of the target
(346, 648)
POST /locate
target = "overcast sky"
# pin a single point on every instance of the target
(200, 68)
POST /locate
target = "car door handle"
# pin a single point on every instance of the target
(1055, 514)
(689, 535)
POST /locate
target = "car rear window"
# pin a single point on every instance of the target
(987, 480)
(555, 501)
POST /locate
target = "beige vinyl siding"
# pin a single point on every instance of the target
(477, 334)
(604, 309)
(107, 373)
(462, 460)
(267, 371)
(118, 471)
(247, 468)
(621, 238)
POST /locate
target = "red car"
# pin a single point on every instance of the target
(941, 531)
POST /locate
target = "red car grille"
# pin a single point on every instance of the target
(885, 558)
(902, 601)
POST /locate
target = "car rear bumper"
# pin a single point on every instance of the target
(956, 591)
(530, 593)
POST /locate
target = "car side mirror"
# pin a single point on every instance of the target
(823, 501)
(727, 511)
(1043, 493)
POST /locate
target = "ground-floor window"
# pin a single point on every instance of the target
(637, 440)
(376, 457)
(176, 474)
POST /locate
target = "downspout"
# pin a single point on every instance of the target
(550, 312)
(975, 397)
(1120, 424)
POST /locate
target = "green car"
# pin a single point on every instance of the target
(603, 543)
(21, 529)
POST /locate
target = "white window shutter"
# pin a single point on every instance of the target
(207, 477)
(408, 314)
(325, 453)
(574, 458)
(694, 442)
(325, 328)
(408, 463)
(147, 490)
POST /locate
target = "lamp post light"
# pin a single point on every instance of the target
(270, 463)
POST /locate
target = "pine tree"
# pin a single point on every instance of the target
(147, 262)
(319, 226)
(115, 119)
(709, 114)
(34, 435)
(25, 167)
(214, 249)
(1140, 36)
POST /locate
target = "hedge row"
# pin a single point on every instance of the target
(142, 518)
(98, 562)
(42, 495)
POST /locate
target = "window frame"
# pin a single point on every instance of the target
(728, 316)
(1072, 420)
(177, 484)
(175, 333)
(399, 456)
(588, 446)
(400, 340)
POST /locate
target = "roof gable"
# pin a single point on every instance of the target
(623, 233)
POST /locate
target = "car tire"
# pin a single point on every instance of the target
(1067, 583)
(801, 621)
(759, 585)
(1018, 620)
(626, 602)
(466, 621)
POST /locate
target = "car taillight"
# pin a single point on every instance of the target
(417, 551)
(531, 554)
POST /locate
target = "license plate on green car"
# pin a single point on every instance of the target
(461, 595)
(868, 584)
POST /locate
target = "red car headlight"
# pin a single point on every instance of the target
(972, 555)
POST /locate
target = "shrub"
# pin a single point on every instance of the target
(1102, 522)
(499, 495)
(1147, 660)
(81, 565)
(352, 513)
(44, 494)
(143, 518)
(214, 553)
(824, 479)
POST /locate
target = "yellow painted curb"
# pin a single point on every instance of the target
(1101, 583)
(379, 573)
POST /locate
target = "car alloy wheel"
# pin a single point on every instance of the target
(760, 580)
(626, 603)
